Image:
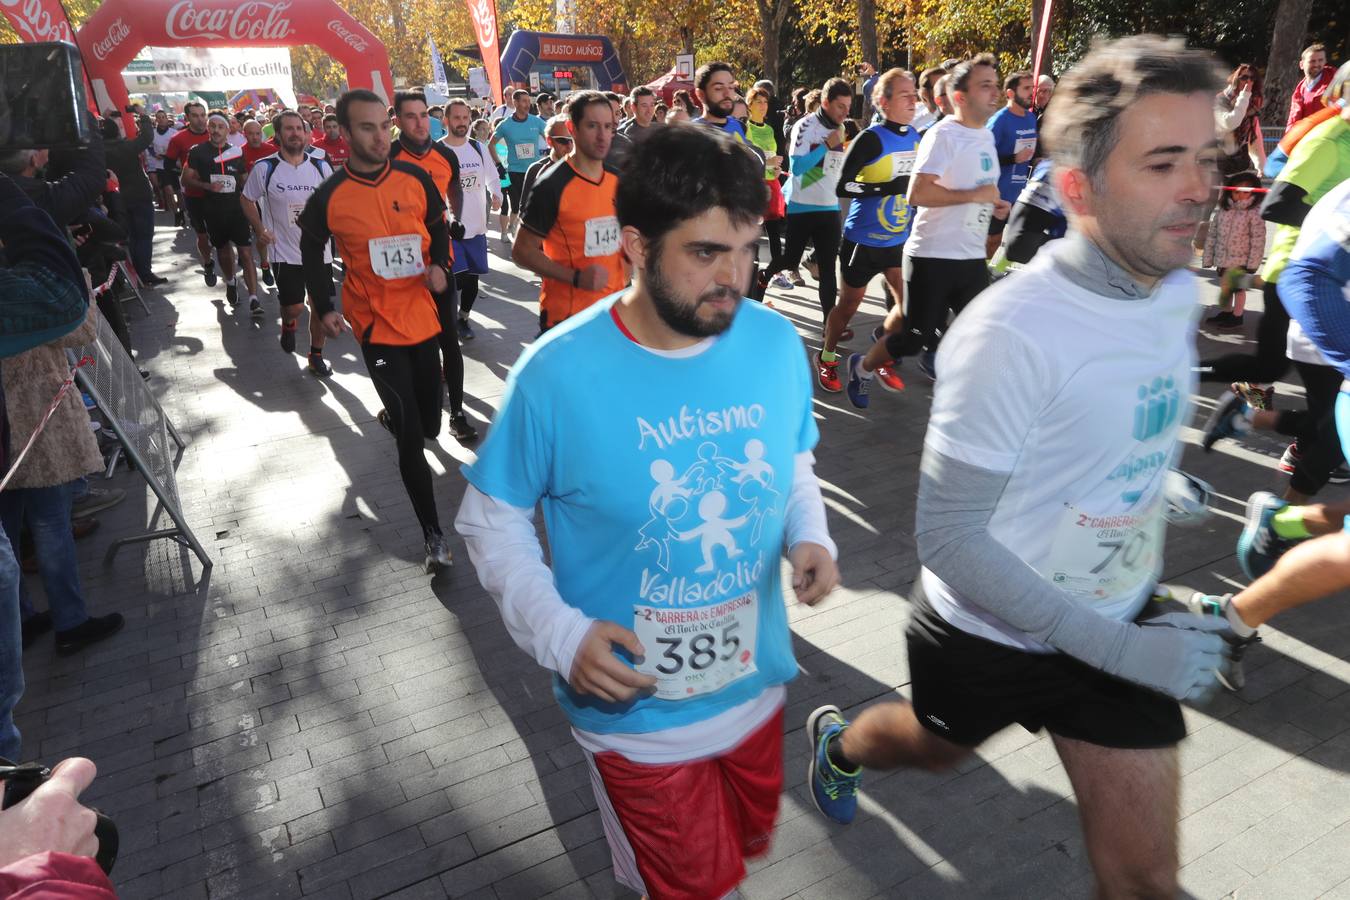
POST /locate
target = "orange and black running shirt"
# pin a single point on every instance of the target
(389, 226)
(575, 217)
(441, 163)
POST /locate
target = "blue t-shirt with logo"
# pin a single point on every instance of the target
(664, 495)
(1012, 133)
(524, 141)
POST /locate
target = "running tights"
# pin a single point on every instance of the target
(452, 358)
(824, 230)
(1270, 361)
(408, 380)
(1314, 428)
(467, 283)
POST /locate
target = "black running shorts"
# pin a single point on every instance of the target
(196, 212)
(860, 263)
(291, 283)
(966, 688)
(226, 225)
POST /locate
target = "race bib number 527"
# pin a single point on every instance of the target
(697, 651)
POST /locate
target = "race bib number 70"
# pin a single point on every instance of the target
(697, 651)
(1100, 557)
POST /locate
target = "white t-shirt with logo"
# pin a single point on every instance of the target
(1080, 398)
(154, 157)
(477, 176)
(962, 158)
(282, 196)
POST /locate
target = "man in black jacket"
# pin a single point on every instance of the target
(124, 159)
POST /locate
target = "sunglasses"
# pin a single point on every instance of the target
(560, 140)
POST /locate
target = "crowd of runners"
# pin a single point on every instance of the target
(1034, 242)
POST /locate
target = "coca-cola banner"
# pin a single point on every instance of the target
(120, 29)
(484, 15)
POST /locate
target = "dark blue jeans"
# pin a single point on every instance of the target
(11, 651)
(142, 238)
(46, 511)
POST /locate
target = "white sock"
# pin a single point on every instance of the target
(252, 298)
(1240, 628)
(229, 280)
(863, 373)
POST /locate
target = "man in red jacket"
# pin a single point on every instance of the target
(1317, 76)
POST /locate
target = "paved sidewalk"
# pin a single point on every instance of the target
(316, 717)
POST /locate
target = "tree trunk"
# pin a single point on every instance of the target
(1282, 74)
(772, 16)
(867, 32)
(1047, 58)
(687, 38)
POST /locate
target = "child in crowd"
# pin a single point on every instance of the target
(1236, 240)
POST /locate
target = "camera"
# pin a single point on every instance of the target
(20, 781)
(42, 98)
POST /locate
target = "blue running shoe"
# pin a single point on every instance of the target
(1258, 546)
(834, 792)
(1232, 418)
(857, 384)
(928, 365)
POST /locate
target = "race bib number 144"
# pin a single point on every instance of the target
(697, 651)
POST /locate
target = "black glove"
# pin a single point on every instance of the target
(457, 230)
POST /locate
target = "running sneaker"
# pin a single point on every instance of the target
(438, 554)
(255, 309)
(928, 365)
(288, 338)
(318, 366)
(1233, 677)
(889, 379)
(267, 276)
(1257, 396)
(827, 375)
(232, 295)
(385, 422)
(813, 268)
(796, 278)
(846, 334)
(1259, 546)
(1229, 420)
(1289, 459)
(179, 221)
(834, 791)
(857, 385)
(782, 282)
(209, 273)
(878, 333)
(1224, 319)
(1339, 475)
(461, 430)
(465, 330)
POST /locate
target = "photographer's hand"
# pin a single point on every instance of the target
(51, 818)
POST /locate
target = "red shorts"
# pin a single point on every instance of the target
(685, 830)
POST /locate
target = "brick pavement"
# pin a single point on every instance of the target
(318, 718)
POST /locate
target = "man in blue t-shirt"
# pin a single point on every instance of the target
(523, 133)
(668, 507)
(1014, 128)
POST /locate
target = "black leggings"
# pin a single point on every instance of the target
(447, 307)
(408, 380)
(774, 228)
(1270, 361)
(1314, 428)
(467, 283)
(824, 230)
(933, 287)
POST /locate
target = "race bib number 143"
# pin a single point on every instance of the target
(697, 651)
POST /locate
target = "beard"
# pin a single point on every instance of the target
(722, 110)
(459, 131)
(679, 316)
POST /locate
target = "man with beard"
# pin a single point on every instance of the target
(388, 218)
(332, 144)
(715, 85)
(523, 135)
(476, 172)
(662, 614)
(164, 174)
(274, 196)
(415, 146)
(176, 153)
(570, 237)
(217, 169)
(256, 148)
(1063, 395)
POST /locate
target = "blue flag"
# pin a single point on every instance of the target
(437, 64)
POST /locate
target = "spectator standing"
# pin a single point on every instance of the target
(1236, 112)
(124, 159)
(1236, 239)
(1309, 95)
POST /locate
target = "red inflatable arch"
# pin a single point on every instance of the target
(121, 28)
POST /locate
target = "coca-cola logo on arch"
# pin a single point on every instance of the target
(349, 37)
(117, 33)
(35, 22)
(255, 21)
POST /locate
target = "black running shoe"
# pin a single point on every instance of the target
(318, 366)
(287, 339)
(255, 309)
(461, 430)
(179, 221)
(93, 630)
(209, 273)
(465, 330)
(231, 293)
(267, 276)
(385, 422)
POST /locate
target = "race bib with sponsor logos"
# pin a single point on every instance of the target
(399, 256)
(697, 651)
(602, 236)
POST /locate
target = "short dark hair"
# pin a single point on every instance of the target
(1313, 48)
(545, 97)
(707, 71)
(642, 91)
(459, 101)
(959, 77)
(835, 87)
(1013, 81)
(285, 113)
(191, 103)
(355, 95)
(577, 103)
(515, 95)
(330, 117)
(686, 170)
(613, 96)
(1080, 127)
(402, 97)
